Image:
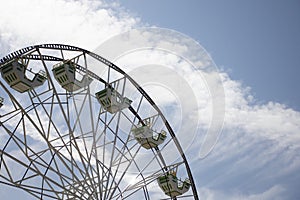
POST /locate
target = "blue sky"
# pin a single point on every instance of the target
(255, 43)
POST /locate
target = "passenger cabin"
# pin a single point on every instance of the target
(146, 137)
(65, 73)
(112, 101)
(1, 101)
(14, 74)
(172, 186)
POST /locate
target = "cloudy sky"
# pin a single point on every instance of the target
(256, 46)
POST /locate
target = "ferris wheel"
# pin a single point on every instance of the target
(73, 125)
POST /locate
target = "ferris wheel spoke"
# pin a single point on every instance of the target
(73, 144)
(89, 153)
(119, 157)
(32, 168)
(139, 172)
(126, 168)
(72, 163)
(112, 152)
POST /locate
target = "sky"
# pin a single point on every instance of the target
(256, 46)
(246, 38)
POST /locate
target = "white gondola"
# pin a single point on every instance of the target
(1, 101)
(172, 186)
(112, 101)
(145, 135)
(65, 72)
(14, 75)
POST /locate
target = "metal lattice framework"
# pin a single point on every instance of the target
(59, 144)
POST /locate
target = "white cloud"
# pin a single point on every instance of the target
(272, 121)
(80, 23)
(257, 150)
(274, 193)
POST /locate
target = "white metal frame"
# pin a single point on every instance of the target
(66, 146)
